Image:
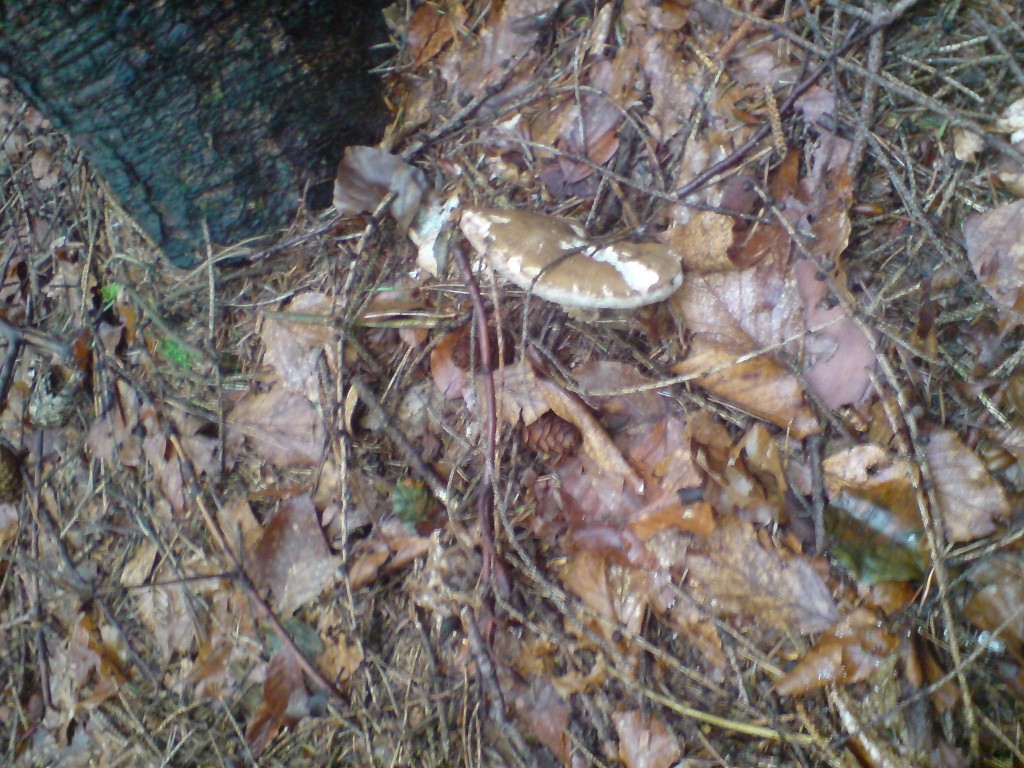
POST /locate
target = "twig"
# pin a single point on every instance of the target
(867, 104)
(263, 609)
(485, 502)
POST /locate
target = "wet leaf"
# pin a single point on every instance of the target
(996, 599)
(849, 652)
(736, 575)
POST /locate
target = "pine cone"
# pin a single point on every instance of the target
(10, 475)
(552, 434)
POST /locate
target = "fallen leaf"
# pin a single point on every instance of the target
(293, 347)
(285, 701)
(645, 741)
(545, 715)
(366, 175)
(757, 385)
(432, 28)
(849, 652)
(618, 593)
(873, 515)
(966, 145)
(842, 353)
(736, 575)
(291, 559)
(996, 601)
(971, 501)
(283, 426)
(995, 248)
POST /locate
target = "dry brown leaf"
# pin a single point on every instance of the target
(645, 741)
(293, 347)
(366, 563)
(291, 559)
(596, 442)
(618, 593)
(848, 653)
(340, 659)
(737, 575)
(284, 426)
(759, 386)
(450, 378)
(545, 715)
(995, 248)
(138, 568)
(285, 702)
(517, 394)
(432, 28)
(703, 243)
(970, 499)
(239, 524)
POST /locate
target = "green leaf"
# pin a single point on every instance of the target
(109, 293)
(174, 352)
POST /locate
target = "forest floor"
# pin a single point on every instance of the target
(359, 500)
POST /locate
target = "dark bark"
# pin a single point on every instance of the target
(215, 110)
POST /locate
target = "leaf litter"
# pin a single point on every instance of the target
(413, 515)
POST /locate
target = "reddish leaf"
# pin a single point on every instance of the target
(546, 715)
(284, 703)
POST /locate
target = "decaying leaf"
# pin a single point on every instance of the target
(971, 501)
(282, 425)
(995, 248)
(291, 559)
(874, 516)
(366, 175)
(285, 701)
(545, 714)
(645, 741)
(849, 652)
(996, 601)
(294, 346)
(737, 575)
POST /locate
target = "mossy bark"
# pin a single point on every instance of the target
(220, 111)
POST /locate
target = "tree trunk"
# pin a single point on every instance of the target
(215, 111)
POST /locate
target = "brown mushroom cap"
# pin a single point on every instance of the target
(573, 271)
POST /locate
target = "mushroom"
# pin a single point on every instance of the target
(553, 258)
